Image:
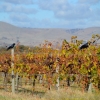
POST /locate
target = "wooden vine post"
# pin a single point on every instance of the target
(12, 66)
(57, 71)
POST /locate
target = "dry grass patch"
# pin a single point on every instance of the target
(62, 94)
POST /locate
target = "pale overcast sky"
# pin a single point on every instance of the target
(51, 13)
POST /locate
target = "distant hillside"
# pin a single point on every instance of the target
(33, 36)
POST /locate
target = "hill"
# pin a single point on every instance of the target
(33, 36)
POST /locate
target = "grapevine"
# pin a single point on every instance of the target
(80, 66)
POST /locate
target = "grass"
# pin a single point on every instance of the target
(62, 94)
(42, 93)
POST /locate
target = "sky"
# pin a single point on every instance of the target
(51, 13)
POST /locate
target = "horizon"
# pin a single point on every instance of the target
(67, 14)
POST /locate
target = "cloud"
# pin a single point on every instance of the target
(89, 1)
(95, 16)
(76, 12)
(23, 20)
(8, 7)
(65, 10)
(18, 1)
(53, 5)
(79, 14)
(52, 13)
(22, 9)
(19, 17)
(5, 7)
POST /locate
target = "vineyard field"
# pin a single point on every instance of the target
(41, 69)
